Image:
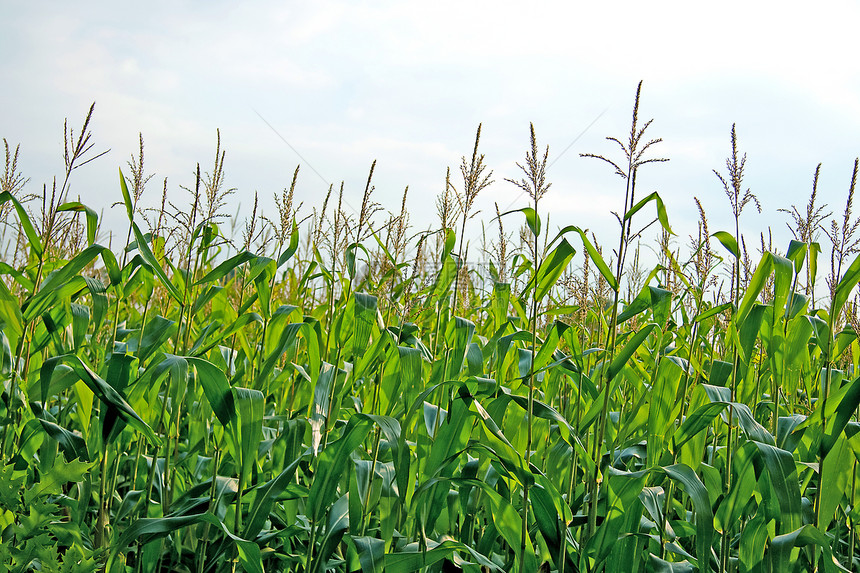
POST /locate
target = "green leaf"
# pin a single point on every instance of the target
(262, 271)
(371, 553)
(750, 425)
(595, 255)
(505, 517)
(336, 527)
(712, 312)
(92, 218)
(497, 444)
(450, 241)
(363, 321)
(156, 332)
(351, 258)
(216, 387)
(779, 552)
(754, 288)
(226, 267)
(695, 422)
(153, 264)
(552, 515)
(782, 282)
(126, 197)
(661, 210)
(640, 304)
(60, 473)
(729, 242)
(753, 543)
(26, 224)
(783, 477)
(287, 254)
(334, 457)
(72, 444)
(741, 413)
(500, 302)
(11, 320)
(838, 466)
(463, 331)
(143, 247)
(265, 497)
(250, 557)
(658, 565)
(400, 455)
(628, 350)
(844, 288)
(451, 437)
(623, 511)
(285, 340)
(546, 412)
(796, 253)
(814, 249)
(848, 403)
(105, 392)
(695, 489)
(201, 347)
(249, 407)
(549, 271)
(549, 346)
(150, 529)
(509, 523)
(532, 219)
(413, 558)
(320, 406)
(743, 486)
(55, 282)
(664, 407)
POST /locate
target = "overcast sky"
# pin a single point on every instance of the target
(407, 84)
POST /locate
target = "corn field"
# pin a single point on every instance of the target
(337, 392)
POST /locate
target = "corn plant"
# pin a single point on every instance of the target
(329, 393)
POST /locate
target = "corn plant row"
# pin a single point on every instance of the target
(325, 403)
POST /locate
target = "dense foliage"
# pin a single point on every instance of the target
(335, 394)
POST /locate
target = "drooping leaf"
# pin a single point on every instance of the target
(412, 558)
(661, 210)
(729, 242)
(532, 219)
(371, 552)
(216, 387)
(783, 477)
(593, 254)
(92, 217)
(72, 444)
(695, 489)
(779, 552)
(105, 392)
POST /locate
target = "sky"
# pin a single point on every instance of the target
(335, 85)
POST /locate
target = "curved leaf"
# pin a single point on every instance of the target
(695, 489)
(661, 210)
(216, 387)
(729, 242)
(105, 392)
